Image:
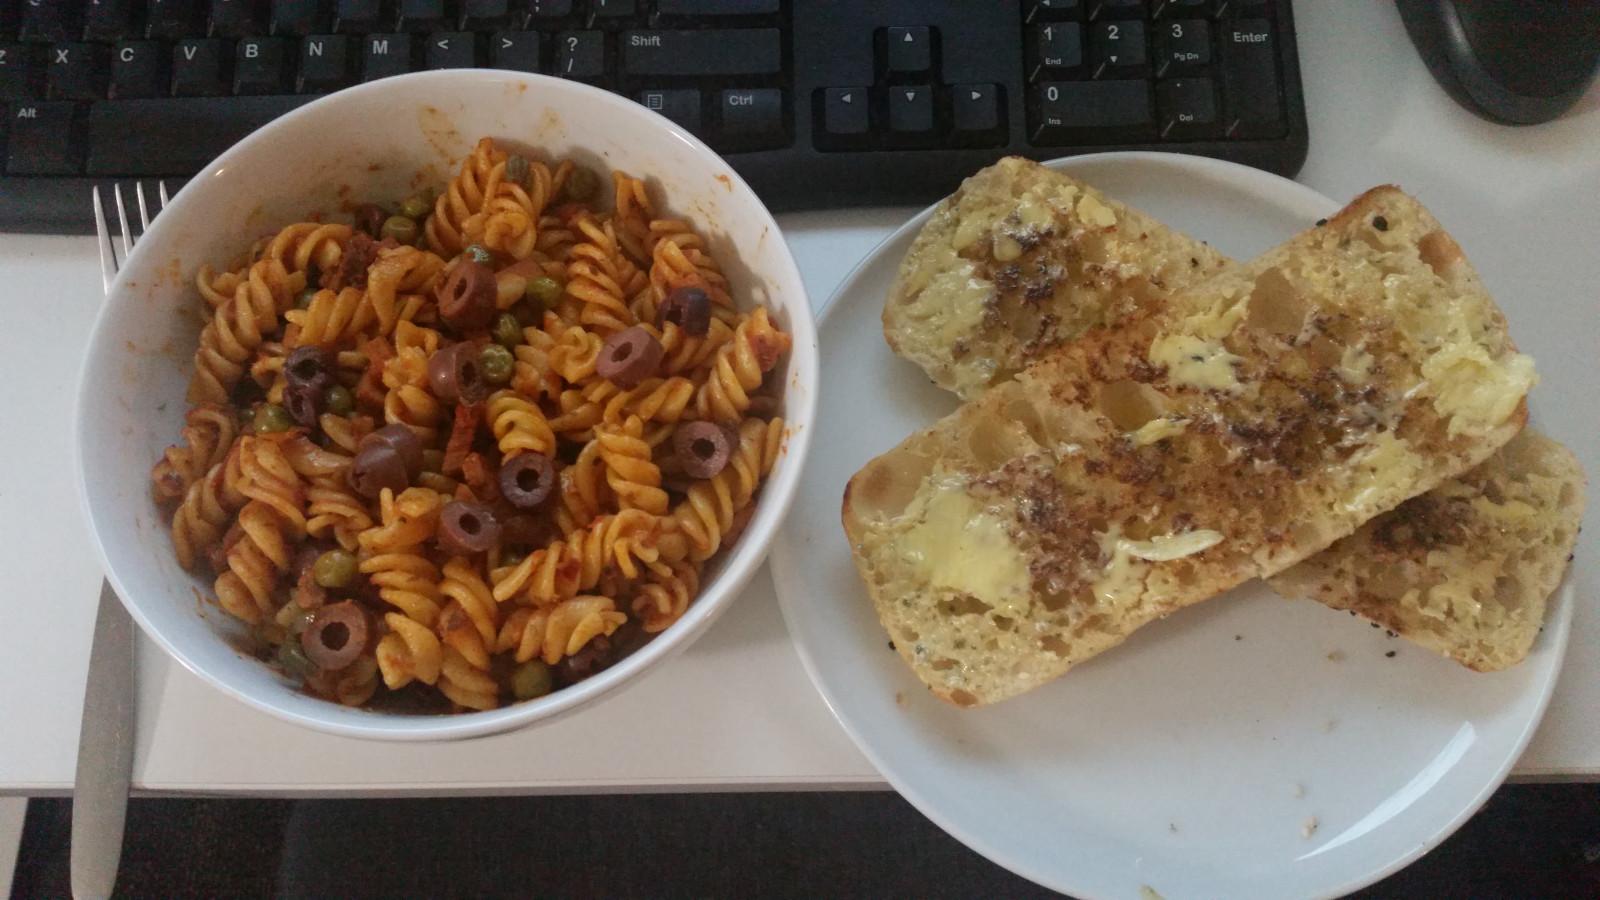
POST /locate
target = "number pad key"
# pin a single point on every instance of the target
(1186, 108)
(1182, 46)
(1116, 49)
(1057, 50)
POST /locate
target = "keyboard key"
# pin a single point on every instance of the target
(452, 50)
(21, 76)
(908, 51)
(358, 16)
(549, 9)
(1091, 112)
(259, 66)
(975, 107)
(170, 19)
(383, 55)
(1250, 80)
(689, 8)
(1048, 10)
(76, 71)
(1174, 9)
(483, 15)
(44, 139)
(324, 63)
(600, 10)
(108, 20)
(421, 15)
(1115, 9)
(681, 106)
(237, 18)
(174, 136)
(750, 51)
(297, 17)
(580, 54)
(1116, 48)
(1182, 46)
(517, 50)
(1057, 50)
(197, 67)
(753, 116)
(910, 113)
(48, 20)
(138, 69)
(1186, 108)
(846, 113)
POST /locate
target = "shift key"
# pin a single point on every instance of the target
(738, 51)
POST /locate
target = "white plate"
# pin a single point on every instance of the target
(1194, 759)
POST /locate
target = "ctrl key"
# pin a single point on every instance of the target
(753, 117)
(43, 139)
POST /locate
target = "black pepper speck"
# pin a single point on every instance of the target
(1380, 223)
(1390, 654)
(1321, 222)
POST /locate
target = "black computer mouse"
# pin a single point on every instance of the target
(1520, 62)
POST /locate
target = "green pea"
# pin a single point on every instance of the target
(496, 363)
(531, 679)
(294, 660)
(507, 330)
(479, 254)
(303, 301)
(546, 290)
(334, 569)
(270, 417)
(417, 205)
(517, 170)
(339, 401)
(400, 228)
(580, 185)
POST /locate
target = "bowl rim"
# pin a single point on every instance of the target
(714, 596)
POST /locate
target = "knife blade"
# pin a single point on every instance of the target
(105, 752)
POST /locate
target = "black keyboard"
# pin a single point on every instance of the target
(816, 103)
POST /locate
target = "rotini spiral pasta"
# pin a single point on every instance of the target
(739, 368)
(561, 570)
(207, 434)
(601, 279)
(519, 425)
(634, 478)
(464, 197)
(560, 630)
(697, 525)
(665, 595)
(307, 246)
(351, 489)
(238, 328)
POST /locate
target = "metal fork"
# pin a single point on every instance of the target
(110, 703)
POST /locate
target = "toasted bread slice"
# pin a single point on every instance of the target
(1464, 569)
(1020, 259)
(1250, 423)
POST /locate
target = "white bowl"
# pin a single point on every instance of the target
(374, 141)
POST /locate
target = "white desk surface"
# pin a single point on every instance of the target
(736, 710)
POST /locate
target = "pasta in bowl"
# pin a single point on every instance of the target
(489, 436)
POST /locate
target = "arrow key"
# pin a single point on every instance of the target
(518, 50)
(846, 119)
(976, 109)
(911, 113)
(451, 50)
(908, 51)
(1116, 49)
